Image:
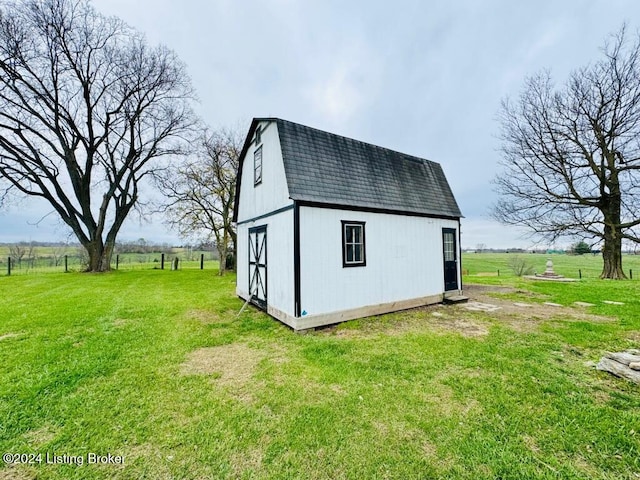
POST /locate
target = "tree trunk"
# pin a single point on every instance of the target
(612, 254)
(99, 256)
(223, 249)
(222, 253)
(234, 237)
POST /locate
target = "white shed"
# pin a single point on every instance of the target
(331, 229)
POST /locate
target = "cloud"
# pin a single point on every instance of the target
(493, 234)
(339, 95)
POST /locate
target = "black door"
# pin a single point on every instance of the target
(450, 254)
(258, 266)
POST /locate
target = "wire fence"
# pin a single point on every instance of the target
(127, 261)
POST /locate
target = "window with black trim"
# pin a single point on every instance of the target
(257, 166)
(258, 135)
(353, 244)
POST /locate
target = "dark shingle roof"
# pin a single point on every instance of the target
(326, 168)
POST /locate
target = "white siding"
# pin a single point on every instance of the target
(273, 192)
(280, 286)
(256, 200)
(403, 260)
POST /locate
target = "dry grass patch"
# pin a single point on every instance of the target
(40, 436)
(207, 317)
(402, 432)
(120, 322)
(441, 400)
(17, 472)
(234, 364)
(6, 336)
(523, 319)
(589, 469)
(433, 318)
(152, 455)
(634, 336)
(465, 327)
(531, 444)
(246, 462)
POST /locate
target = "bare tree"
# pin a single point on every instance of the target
(87, 110)
(571, 156)
(58, 251)
(200, 193)
(31, 254)
(17, 252)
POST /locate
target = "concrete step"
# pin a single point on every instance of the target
(456, 299)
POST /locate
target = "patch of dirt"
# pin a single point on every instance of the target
(520, 316)
(465, 327)
(234, 364)
(436, 318)
(40, 436)
(17, 472)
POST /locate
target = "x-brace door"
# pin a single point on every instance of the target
(258, 265)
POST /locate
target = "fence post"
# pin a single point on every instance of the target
(201, 261)
(9, 266)
(175, 263)
(66, 265)
(117, 260)
(630, 274)
(498, 272)
(580, 274)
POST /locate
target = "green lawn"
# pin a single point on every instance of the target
(488, 264)
(156, 367)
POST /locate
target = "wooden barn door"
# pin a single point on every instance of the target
(258, 265)
(450, 253)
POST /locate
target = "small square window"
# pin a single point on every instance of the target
(257, 166)
(258, 135)
(353, 244)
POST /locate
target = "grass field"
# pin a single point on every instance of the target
(488, 264)
(156, 366)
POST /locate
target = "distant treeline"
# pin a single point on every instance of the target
(544, 251)
(129, 246)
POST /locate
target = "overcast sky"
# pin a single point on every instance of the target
(424, 78)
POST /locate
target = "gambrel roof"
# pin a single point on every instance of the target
(327, 169)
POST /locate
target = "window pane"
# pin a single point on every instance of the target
(357, 234)
(349, 233)
(448, 247)
(358, 253)
(257, 165)
(353, 243)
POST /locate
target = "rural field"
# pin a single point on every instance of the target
(158, 370)
(50, 259)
